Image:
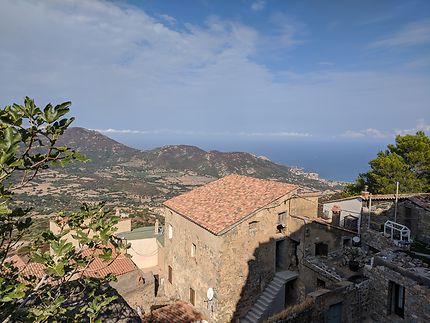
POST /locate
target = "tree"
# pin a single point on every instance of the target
(408, 162)
(28, 144)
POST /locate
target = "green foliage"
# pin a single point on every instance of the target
(28, 144)
(408, 162)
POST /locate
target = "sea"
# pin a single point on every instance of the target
(335, 159)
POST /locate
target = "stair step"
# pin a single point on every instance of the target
(267, 298)
(253, 317)
(260, 307)
(273, 289)
(279, 280)
(257, 313)
(271, 293)
(276, 284)
(263, 302)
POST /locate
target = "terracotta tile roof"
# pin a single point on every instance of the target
(98, 268)
(27, 269)
(179, 312)
(389, 196)
(119, 266)
(220, 204)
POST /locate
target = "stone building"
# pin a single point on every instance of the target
(225, 242)
(413, 211)
(399, 288)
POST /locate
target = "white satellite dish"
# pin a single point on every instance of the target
(210, 293)
(356, 239)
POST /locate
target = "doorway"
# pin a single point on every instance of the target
(334, 314)
(281, 255)
(290, 293)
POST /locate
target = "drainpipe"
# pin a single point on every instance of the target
(395, 205)
(370, 210)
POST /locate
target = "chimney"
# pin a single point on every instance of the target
(118, 212)
(365, 193)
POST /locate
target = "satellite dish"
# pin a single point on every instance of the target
(210, 293)
(356, 239)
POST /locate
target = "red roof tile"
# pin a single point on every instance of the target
(98, 268)
(27, 269)
(179, 312)
(220, 204)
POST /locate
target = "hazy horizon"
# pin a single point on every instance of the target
(331, 158)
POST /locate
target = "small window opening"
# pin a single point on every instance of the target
(192, 296)
(170, 231)
(282, 217)
(170, 275)
(320, 283)
(193, 250)
(253, 226)
(346, 242)
(321, 249)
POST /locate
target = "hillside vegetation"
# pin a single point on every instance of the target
(139, 181)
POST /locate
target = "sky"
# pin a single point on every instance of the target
(236, 69)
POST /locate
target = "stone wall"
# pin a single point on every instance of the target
(417, 297)
(417, 219)
(199, 272)
(136, 288)
(248, 261)
(352, 298)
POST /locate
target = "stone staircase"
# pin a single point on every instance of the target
(272, 300)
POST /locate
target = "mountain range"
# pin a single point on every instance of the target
(139, 181)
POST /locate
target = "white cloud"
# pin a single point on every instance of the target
(123, 131)
(416, 33)
(367, 133)
(289, 30)
(421, 125)
(258, 5)
(168, 19)
(275, 134)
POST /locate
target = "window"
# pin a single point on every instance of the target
(320, 283)
(396, 294)
(170, 275)
(193, 250)
(192, 296)
(252, 226)
(282, 217)
(170, 231)
(321, 249)
(346, 241)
